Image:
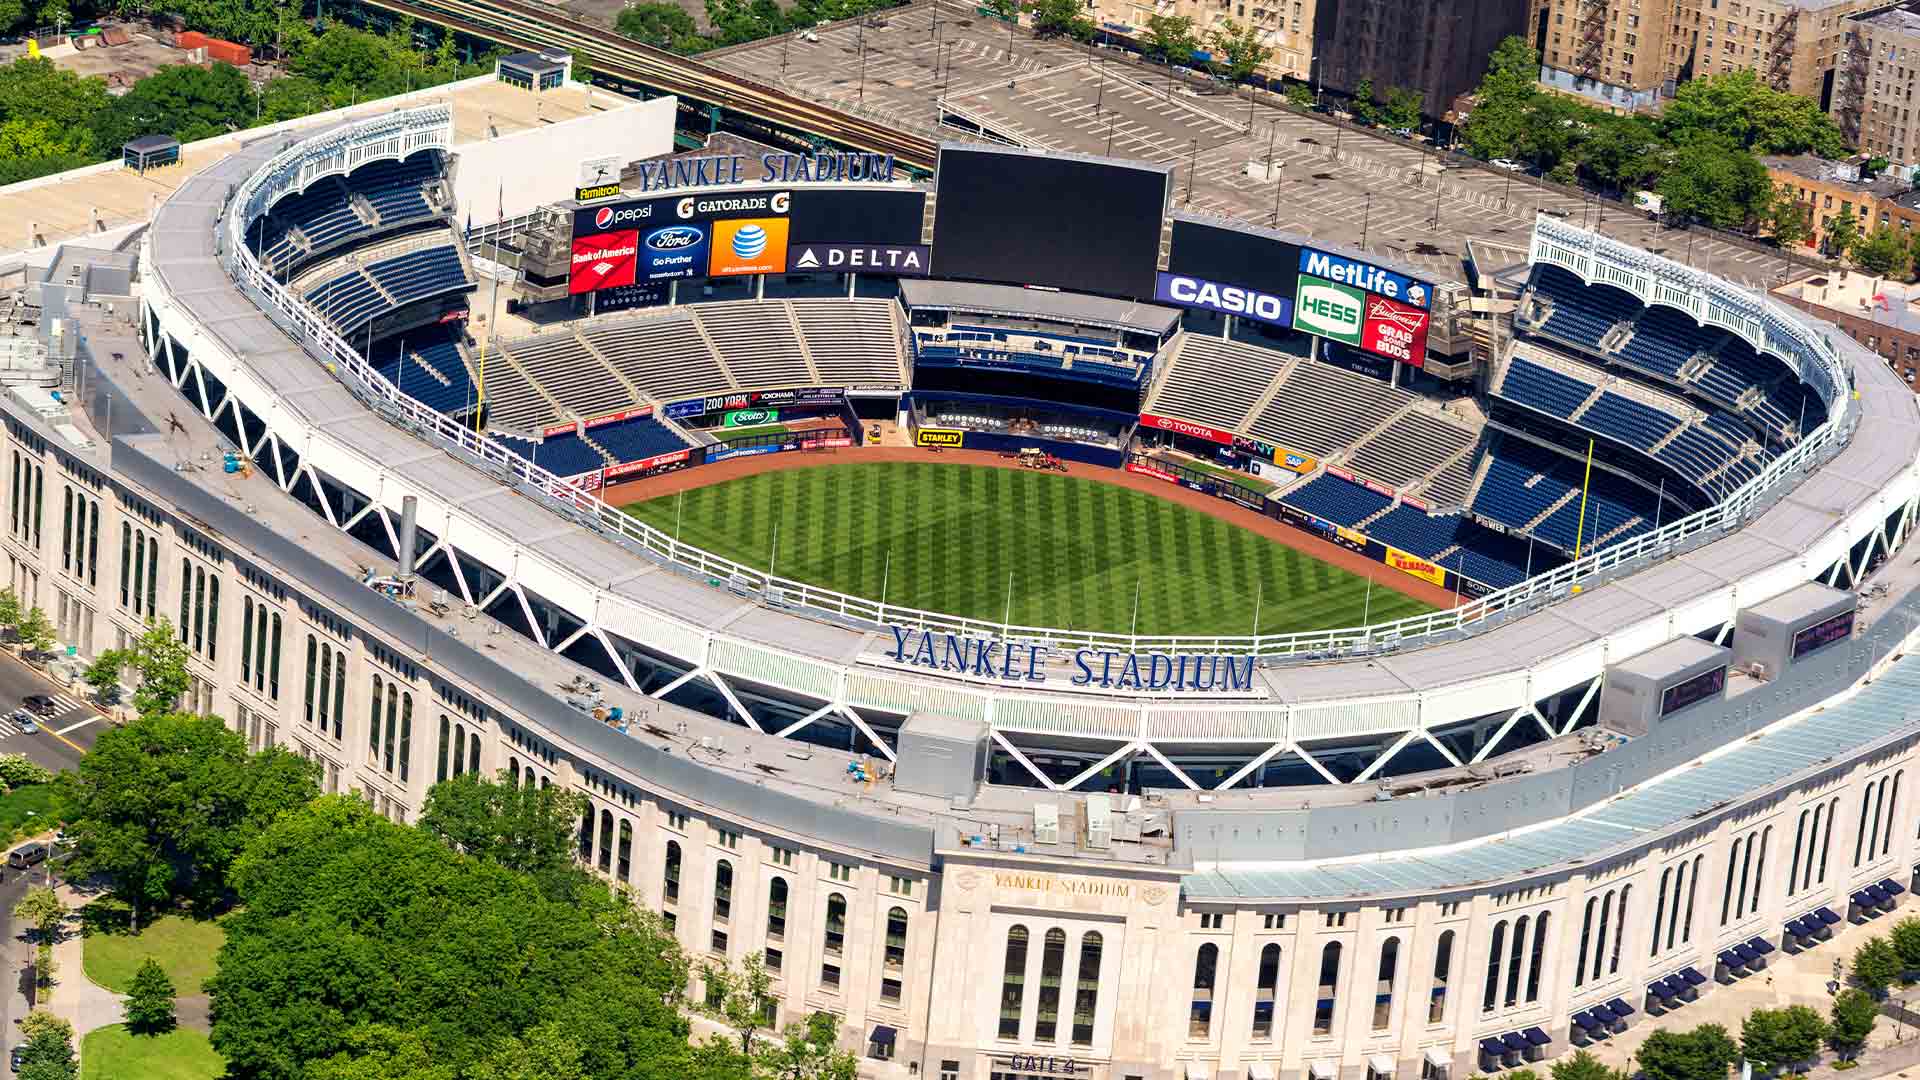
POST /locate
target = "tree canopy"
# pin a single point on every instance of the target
(1780, 1038)
(1739, 107)
(1701, 1054)
(357, 937)
(526, 829)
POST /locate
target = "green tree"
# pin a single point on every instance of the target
(1004, 10)
(523, 828)
(1744, 110)
(35, 631)
(1780, 1038)
(1875, 966)
(1788, 219)
(166, 803)
(807, 1051)
(1364, 109)
(1057, 18)
(664, 26)
(1498, 124)
(56, 13)
(545, 1052)
(43, 909)
(1716, 182)
(104, 673)
(9, 607)
(150, 1000)
(12, 14)
(1299, 95)
(1854, 1014)
(346, 920)
(1584, 1066)
(30, 148)
(1520, 1074)
(1882, 252)
(1239, 51)
(1904, 936)
(47, 1053)
(1621, 153)
(742, 997)
(381, 1052)
(1402, 108)
(160, 657)
(292, 97)
(1843, 231)
(1171, 39)
(1701, 1054)
(185, 101)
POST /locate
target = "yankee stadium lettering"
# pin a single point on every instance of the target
(1104, 668)
(717, 169)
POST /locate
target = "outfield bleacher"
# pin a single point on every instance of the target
(1577, 314)
(428, 365)
(1322, 409)
(1215, 381)
(1337, 500)
(635, 438)
(1540, 387)
(1414, 444)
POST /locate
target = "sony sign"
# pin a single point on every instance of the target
(1231, 299)
(1105, 669)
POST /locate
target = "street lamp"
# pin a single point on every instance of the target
(1366, 216)
(863, 62)
(1193, 163)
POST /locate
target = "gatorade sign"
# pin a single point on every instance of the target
(1333, 311)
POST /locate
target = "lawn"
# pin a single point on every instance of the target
(29, 808)
(1071, 552)
(114, 1053)
(1235, 476)
(183, 946)
(735, 434)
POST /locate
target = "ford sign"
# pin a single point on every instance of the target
(674, 238)
(1230, 299)
(673, 251)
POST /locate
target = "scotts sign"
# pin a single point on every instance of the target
(1231, 299)
(1328, 309)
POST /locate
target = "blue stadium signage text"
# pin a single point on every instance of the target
(1360, 275)
(723, 169)
(1105, 669)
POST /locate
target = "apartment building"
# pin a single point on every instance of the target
(1437, 47)
(1826, 189)
(1286, 26)
(1873, 103)
(1632, 53)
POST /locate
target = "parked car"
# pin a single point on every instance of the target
(25, 721)
(1509, 164)
(17, 1057)
(1404, 132)
(40, 705)
(27, 855)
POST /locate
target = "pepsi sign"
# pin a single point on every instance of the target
(673, 251)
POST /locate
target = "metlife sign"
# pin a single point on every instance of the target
(1229, 299)
(1329, 309)
(1366, 277)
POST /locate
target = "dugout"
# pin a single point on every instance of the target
(1769, 636)
(941, 755)
(1641, 692)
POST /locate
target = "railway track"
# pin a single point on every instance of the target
(530, 26)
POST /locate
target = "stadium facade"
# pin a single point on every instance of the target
(1456, 921)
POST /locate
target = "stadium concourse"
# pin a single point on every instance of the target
(1436, 846)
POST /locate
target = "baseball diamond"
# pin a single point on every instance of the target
(1038, 548)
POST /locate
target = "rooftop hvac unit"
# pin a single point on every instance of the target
(1099, 822)
(1046, 823)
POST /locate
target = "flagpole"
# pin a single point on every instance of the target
(885, 574)
(1366, 608)
(679, 513)
(1006, 622)
(1660, 505)
(1580, 535)
(1259, 588)
(1134, 631)
(493, 303)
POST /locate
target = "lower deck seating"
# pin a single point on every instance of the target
(428, 366)
(1339, 501)
(635, 439)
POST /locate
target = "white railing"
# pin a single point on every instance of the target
(587, 508)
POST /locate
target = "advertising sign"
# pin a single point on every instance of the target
(1395, 330)
(749, 417)
(1823, 633)
(1148, 470)
(1332, 310)
(673, 251)
(748, 246)
(1230, 299)
(599, 178)
(648, 466)
(616, 417)
(1691, 691)
(1415, 566)
(624, 297)
(806, 395)
(1186, 427)
(952, 438)
(687, 410)
(900, 260)
(603, 261)
(1365, 277)
(710, 170)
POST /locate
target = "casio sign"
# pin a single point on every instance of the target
(1232, 299)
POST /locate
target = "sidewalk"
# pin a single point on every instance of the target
(73, 996)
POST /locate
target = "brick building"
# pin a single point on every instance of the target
(1829, 188)
(1880, 314)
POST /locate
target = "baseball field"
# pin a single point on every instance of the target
(1040, 549)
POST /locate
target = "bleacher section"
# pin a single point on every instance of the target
(564, 455)
(1532, 488)
(1322, 409)
(347, 300)
(1413, 445)
(572, 453)
(1574, 313)
(418, 275)
(1339, 501)
(635, 439)
(324, 216)
(432, 369)
(1452, 540)
(1215, 381)
(667, 355)
(1543, 388)
(371, 284)
(397, 189)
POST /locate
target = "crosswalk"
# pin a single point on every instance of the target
(69, 713)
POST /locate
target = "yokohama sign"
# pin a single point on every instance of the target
(603, 262)
(1186, 427)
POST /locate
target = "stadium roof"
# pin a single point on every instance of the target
(1014, 301)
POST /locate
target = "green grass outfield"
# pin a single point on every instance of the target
(1075, 549)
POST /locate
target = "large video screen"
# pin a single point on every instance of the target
(1231, 257)
(1026, 219)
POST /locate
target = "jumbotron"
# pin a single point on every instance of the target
(1647, 729)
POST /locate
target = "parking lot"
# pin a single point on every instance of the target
(933, 63)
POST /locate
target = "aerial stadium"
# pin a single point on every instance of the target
(1395, 658)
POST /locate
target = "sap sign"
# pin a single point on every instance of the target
(1365, 276)
(1231, 299)
(986, 658)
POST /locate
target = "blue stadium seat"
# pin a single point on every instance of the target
(432, 370)
(1582, 314)
(1340, 501)
(1543, 388)
(418, 275)
(1628, 421)
(635, 439)
(563, 455)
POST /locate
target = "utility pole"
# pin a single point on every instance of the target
(1193, 163)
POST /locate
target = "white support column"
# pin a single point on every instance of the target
(1094, 770)
(1246, 770)
(1310, 759)
(727, 692)
(488, 600)
(1014, 751)
(1505, 727)
(1178, 773)
(861, 723)
(459, 576)
(805, 720)
(1440, 746)
(1593, 691)
(676, 684)
(1386, 755)
(613, 654)
(561, 645)
(533, 624)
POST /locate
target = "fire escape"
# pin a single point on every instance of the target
(1779, 70)
(1850, 90)
(1592, 30)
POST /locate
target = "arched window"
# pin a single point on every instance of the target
(340, 699)
(445, 728)
(671, 889)
(1873, 830)
(1660, 909)
(1733, 871)
(1536, 961)
(626, 848)
(1266, 987)
(1893, 803)
(393, 726)
(722, 890)
(1746, 870)
(1682, 882)
(313, 660)
(406, 733)
(1860, 831)
(1516, 952)
(1793, 868)
(1620, 930)
(1200, 1011)
(1760, 869)
(1826, 842)
(1013, 983)
(1053, 961)
(1600, 944)
(606, 841)
(836, 923)
(1383, 986)
(513, 770)
(1491, 994)
(373, 723)
(894, 959)
(459, 749)
(1586, 937)
(1086, 990)
(777, 909)
(1442, 970)
(1327, 990)
(1693, 886)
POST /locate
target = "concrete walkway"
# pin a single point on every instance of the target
(73, 996)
